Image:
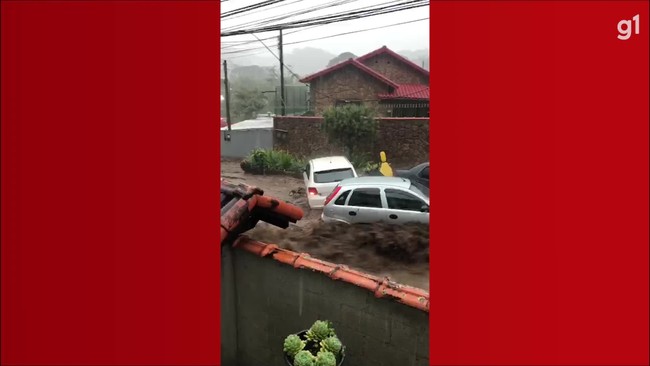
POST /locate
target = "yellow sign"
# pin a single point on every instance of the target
(385, 168)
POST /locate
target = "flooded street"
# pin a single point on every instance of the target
(400, 252)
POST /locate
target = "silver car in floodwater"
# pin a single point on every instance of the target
(371, 199)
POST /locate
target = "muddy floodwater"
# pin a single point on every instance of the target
(400, 252)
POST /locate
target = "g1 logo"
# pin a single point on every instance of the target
(625, 28)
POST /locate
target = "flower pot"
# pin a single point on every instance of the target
(311, 347)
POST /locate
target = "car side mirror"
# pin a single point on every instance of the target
(424, 208)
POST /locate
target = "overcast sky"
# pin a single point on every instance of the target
(412, 36)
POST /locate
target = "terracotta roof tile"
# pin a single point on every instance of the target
(407, 295)
(408, 91)
(350, 62)
(388, 51)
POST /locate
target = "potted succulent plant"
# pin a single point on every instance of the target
(317, 346)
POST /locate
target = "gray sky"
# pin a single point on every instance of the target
(412, 36)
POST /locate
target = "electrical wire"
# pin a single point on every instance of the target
(291, 71)
(258, 23)
(243, 43)
(332, 36)
(332, 19)
(266, 21)
(249, 8)
(259, 10)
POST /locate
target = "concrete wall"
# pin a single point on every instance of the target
(263, 301)
(242, 142)
(405, 140)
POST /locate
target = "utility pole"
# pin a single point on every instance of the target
(227, 85)
(283, 107)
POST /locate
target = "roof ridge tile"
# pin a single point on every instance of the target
(380, 287)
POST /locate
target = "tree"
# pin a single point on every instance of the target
(351, 126)
(247, 103)
(340, 58)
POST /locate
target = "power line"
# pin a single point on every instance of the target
(249, 8)
(343, 16)
(247, 55)
(332, 19)
(303, 11)
(266, 21)
(258, 10)
(333, 35)
(242, 43)
(281, 63)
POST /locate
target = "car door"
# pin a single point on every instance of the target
(403, 206)
(338, 209)
(364, 206)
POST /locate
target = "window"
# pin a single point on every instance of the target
(366, 197)
(308, 170)
(341, 200)
(331, 176)
(400, 200)
(419, 189)
(425, 173)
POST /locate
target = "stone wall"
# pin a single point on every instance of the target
(264, 300)
(396, 70)
(347, 83)
(405, 140)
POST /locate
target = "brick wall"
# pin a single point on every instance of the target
(395, 70)
(347, 83)
(264, 300)
(405, 140)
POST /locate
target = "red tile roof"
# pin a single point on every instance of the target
(388, 51)
(380, 287)
(350, 62)
(401, 91)
(408, 91)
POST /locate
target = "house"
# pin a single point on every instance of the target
(382, 79)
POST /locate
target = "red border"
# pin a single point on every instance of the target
(110, 166)
(539, 136)
(539, 144)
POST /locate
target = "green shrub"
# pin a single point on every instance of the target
(363, 164)
(350, 126)
(272, 162)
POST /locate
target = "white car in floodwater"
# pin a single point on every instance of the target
(323, 174)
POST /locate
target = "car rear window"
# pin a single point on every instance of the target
(331, 176)
(425, 173)
(414, 188)
(365, 197)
